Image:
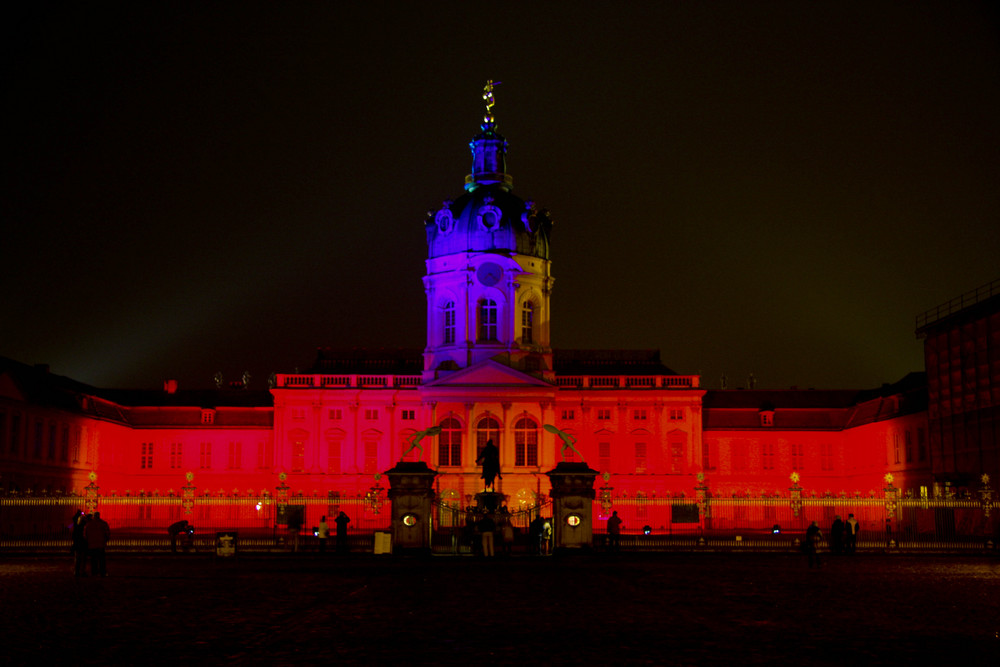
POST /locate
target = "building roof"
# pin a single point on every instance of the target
(609, 362)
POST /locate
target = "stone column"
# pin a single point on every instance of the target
(411, 492)
(572, 504)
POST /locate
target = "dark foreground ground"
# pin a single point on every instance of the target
(721, 609)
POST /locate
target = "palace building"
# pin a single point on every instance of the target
(489, 371)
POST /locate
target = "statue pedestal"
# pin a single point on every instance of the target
(489, 502)
(411, 491)
(572, 505)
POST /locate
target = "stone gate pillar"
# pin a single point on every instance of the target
(411, 492)
(572, 505)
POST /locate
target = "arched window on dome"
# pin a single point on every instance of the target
(488, 428)
(450, 443)
(525, 442)
(487, 330)
(449, 322)
(527, 323)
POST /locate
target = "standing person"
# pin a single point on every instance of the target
(837, 535)
(323, 533)
(614, 531)
(79, 544)
(851, 530)
(507, 530)
(487, 528)
(811, 544)
(342, 520)
(174, 530)
(535, 535)
(97, 532)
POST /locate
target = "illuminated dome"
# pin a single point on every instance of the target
(488, 217)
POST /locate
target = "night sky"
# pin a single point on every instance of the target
(766, 188)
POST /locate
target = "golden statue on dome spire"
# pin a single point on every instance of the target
(488, 96)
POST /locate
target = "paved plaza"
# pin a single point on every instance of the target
(714, 608)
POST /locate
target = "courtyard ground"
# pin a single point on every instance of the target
(660, 609)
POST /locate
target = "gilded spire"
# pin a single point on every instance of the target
(488, 96)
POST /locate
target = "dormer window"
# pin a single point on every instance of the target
(767, 417)
(208, 416)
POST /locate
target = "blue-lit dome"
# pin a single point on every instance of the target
(488, 217)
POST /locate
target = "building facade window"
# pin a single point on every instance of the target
(676, 414)
(371, 414)
(146, 457)
(333, 465)
(298, 453)
(604, 456)
(527, 323)
(603, 414)
(409, 415)
(826, 456)
(449, 323)
(235, 455)
(767, 456)
(205, 455)
(640, 458)
(335, 414)
(568, 415)
(176, 451)
(639, 415)
(265, 455)
(487, 320)
(678, 456)
(921, 444)
(908, 446)
(525, 442)
(450, 443)
(64, 444)
(208, 416)
(798, 456)
(52, 442)
(371, 457)
(895, 448)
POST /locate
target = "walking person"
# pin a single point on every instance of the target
(79, 544)
(342, 520)
(97, 532)
(614, 531)
(323, 533)
(837, 535)
(811, 544)
(851, 530)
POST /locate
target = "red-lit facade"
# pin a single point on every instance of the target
(488, 371)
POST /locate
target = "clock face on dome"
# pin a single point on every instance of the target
(489, 273)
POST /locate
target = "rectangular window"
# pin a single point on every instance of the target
(146, 458)
(265, 454)
(767, 456)
(371, 414)
(64, 444)
(527, 323)
(798, 456)
(15, 435)
(677, 456)
(333, 457)
(604, 414)
(740, 463)
(409, 415)
(235, 455)
(77, 438)
(706, 456)
(298, 455)
(640, 457)
(921, 444)
(52, 442)
(176, 459)
(205, 456)
(676, 415)
(568, 414)
(371, 457)
(908, 444)
(526, 447)
(604, 456)
(336, 414)
(639, 415)
(208, 416)
(37, 450)
(298, 414)
(895, 448)
(826, 456)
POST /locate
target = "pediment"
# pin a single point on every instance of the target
(488, 373)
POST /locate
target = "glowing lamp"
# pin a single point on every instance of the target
(409, 520)
(646, 530)
(776, 530)
(573, 520)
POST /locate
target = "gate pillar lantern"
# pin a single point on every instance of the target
(572, 504)
(411, 493)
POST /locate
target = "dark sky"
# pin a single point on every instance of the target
(749, 187)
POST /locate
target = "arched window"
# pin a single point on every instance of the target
(525, 442)
(527, 323)
(450, 443)
(487, 429)
(487, 320)
(449, 322)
